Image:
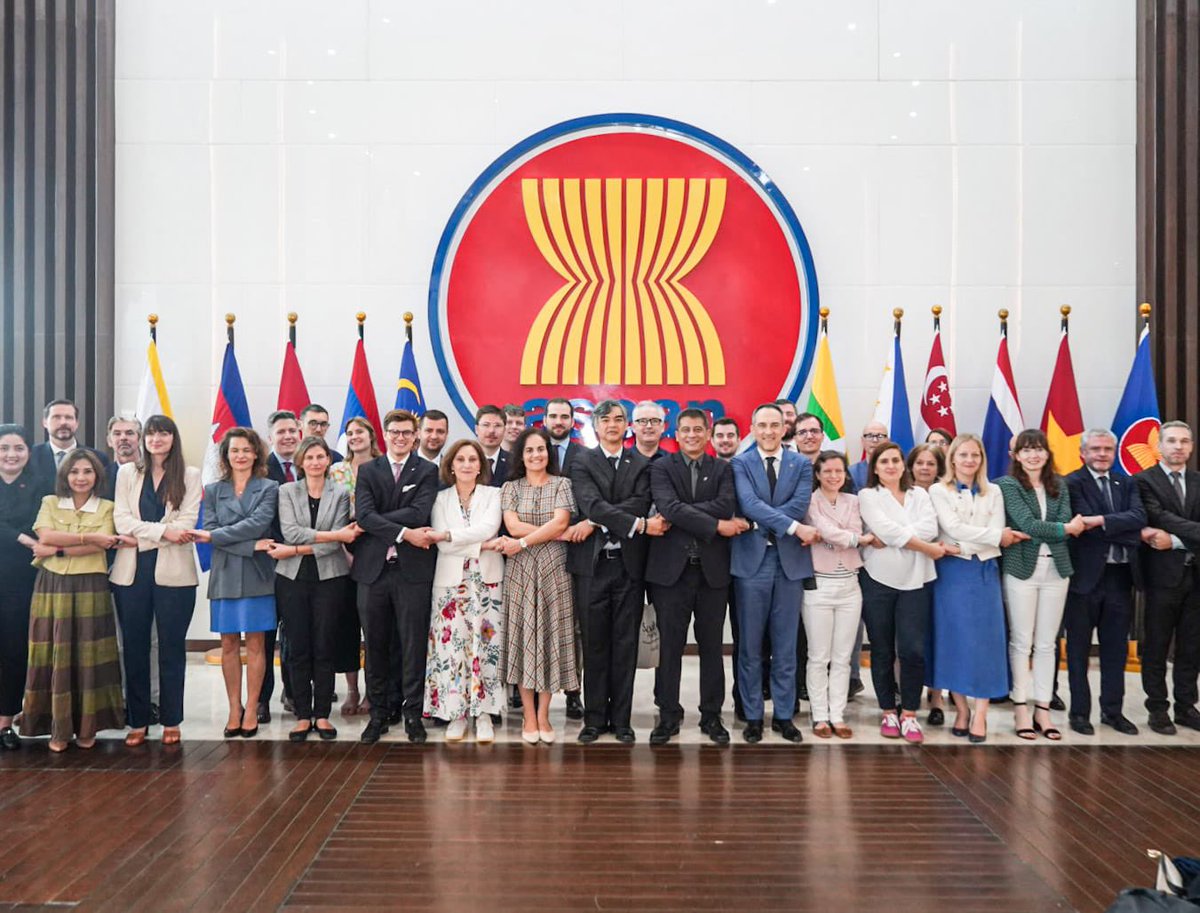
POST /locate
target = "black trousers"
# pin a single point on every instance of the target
(898, 625)
(611, 618)
(690, 597)
(397, 625)
(270, 638)
(14, 649)
(311, 610)
(169, 608)
(1107, 610)
(362, 596)
(1171, 612)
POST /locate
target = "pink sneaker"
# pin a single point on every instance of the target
(890, 727)
(911, 730)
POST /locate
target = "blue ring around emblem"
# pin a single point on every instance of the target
(580, 124)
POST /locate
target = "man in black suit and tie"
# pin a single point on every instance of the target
(608, 560)
(284, 438)
(1171, 496)
(60, 418)
(489, 431)
(1100, 598)
(559, 422)
(688, 571)
(393, 498)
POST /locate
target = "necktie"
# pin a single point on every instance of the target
(694, 466)
(1178, 486)
(58, 457)
(771, 477)
(616, 461)
(1115, 552)
(288, 475)
(396, 469)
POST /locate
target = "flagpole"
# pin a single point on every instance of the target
(152, 319)
(1065, 310)
(361, 317)
(229, 319)
(1003, 315)
(898, 314)
(824, 320)
(937, 318)
(292, 318)
(1144, 311)
(408, 319)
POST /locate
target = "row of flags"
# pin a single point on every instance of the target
(1135, 423)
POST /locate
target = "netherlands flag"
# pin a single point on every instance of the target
(1003, 414)
(229, 411)
(360, 398)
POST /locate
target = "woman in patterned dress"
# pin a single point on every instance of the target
(462, 674)
(538, 605)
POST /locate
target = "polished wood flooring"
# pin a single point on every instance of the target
(264, 826)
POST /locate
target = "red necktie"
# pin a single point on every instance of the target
(288, 475)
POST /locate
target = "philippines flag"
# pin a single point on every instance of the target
(891, 408)
(229, 411)
(293, 391)
(1137, 421)
(937, 408)
(1003, 414)
(360, 397)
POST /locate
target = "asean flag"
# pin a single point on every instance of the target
(1062, 420)
(1137, 421)
(360, 398)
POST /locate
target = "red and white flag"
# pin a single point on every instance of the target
(937, 406)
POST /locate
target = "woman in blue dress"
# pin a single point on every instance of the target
(238, 510)
(969, 654)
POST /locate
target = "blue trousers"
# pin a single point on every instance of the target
(140, 605)
(768, 602)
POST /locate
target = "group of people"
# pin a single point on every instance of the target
(507, 567)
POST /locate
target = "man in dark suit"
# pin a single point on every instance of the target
(433, 433)
(1171, 496)
(726, 438)
(393, 498)
(314, 422)
(559, 422)
(489, 431)
(60, 418)
(688, 571)
(284, 438)
(649, 423)
(770, 565)
(124, 439)
(1100, 598)
(608, 560)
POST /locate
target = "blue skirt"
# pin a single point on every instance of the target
(249, 614)
(968, 649)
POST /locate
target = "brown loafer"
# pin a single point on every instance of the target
(822, 730)
(135, 737)
(842, 731)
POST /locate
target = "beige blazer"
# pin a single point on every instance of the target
(176, 565)
(485, 523)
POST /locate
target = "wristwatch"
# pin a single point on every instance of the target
(60, 553)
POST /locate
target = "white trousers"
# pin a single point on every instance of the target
(831, 615)
(1035, 611)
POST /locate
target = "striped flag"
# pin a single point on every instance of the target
(891, 408)
(823, 396)
(230, 410)
(1003, 418)
(360, 397)
(152, 395)
(1062, 420)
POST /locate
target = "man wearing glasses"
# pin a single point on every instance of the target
(314, 422)
(393, 498)
(872, 436)
(649, 423)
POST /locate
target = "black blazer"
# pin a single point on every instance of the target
(613, 500)
(693, 520)
(41, 458)
(1089, 551)
(573, 452)
(382, 506)
(1166, 568)
(275, 474)
(500, 476)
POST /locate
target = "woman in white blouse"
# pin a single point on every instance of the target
(968, 654)
(832, 610)
(895, 599)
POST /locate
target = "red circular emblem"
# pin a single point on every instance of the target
(1138, 447)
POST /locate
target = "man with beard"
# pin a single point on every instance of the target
(434, 430)
(60, 418)
(725, 438)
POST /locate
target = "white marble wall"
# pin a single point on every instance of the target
(302, 155)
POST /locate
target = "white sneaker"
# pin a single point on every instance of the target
(456, 730)
(483, 729)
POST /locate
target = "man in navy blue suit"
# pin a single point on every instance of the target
(769, 565)
(1100, 598)
(60, 418)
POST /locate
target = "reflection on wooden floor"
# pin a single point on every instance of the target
(260, 826)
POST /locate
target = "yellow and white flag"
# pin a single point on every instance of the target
(152, 396)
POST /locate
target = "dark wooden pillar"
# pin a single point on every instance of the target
(56, 210)
(1168, 197)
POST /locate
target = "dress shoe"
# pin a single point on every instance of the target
(661, 734)
(1160, 722)
(415, 731)
(264, 713)
(300, 735)
(712, 727)
(937, 717)
(327, 734)
(753, 732)
(589, 734)
(625, 735)
(9, 740)
(1189, 718)
(1119, 722)
(395, 717)
(547, 735)
(856, 687)
(373, 731)
(739, 712)
(249, 733)
(1056, 703)
(574, 706)
(232, 732)
(787, 729)
(1081, 725)
(801, 692)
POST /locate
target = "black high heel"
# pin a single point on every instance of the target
(1050, 732)
(235, 732)
(1027, 734)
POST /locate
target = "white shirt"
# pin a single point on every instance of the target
(895, 524)
(973, 522)
(633, 532)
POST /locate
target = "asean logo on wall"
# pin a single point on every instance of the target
(624, 256)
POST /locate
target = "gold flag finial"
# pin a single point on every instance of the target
(824, 313)
(361, 317)
(153, 318)
(1003, 312)
(937, 310)
(408, 317)
(1065, 310)
(1144, 309)
(229, 319)
(897, 313)
(293, 317)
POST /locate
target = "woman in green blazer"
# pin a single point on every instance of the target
(1036, 575)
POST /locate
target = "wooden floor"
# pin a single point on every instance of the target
(262, 826)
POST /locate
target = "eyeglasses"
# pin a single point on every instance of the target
(810, 432)
(397, 432)
(651, 422)
(313, 423)
(874, 436)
